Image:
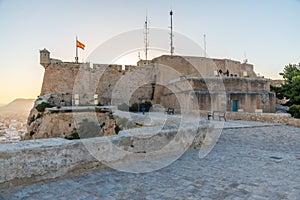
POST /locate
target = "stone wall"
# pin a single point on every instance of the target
(276, 83)
(59, 78)
(72, 78)
(32, 161)
(214, 93)
(230, 84)
(282, 118)
(111, 82)
(181, 65)
(205, 67)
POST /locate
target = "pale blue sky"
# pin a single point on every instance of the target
(267, 30)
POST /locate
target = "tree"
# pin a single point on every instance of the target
(291, 87)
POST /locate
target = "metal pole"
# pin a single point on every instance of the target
(171, 35)
(146, 38)
(76, 58)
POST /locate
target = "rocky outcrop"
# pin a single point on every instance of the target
(47, 119)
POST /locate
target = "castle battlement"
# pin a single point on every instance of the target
(46, 61)
(59, 76)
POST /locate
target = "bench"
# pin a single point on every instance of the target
(170, 111)
(213, 114)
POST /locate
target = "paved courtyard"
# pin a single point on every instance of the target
(251, 160)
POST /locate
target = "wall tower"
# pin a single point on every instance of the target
(45, 58)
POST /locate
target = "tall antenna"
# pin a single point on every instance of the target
(245, 58)
(204, 38)
(146, 37)
(171, 34)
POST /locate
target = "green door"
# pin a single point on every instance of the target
(235, 105)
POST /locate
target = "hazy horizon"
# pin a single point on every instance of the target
(265, 32)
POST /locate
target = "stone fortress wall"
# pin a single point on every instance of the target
(149, 80)
(191, 66)
(252, 94)
(205, 75)
(60, 77)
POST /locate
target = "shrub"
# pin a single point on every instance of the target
(134, 107)
(295, 111)
(42, 106)
(100, 104)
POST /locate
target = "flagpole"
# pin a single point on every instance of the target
(76, 58)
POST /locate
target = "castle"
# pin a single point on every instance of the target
(218, 84)
(186, 84)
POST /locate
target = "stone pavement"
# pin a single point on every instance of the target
(251, 160)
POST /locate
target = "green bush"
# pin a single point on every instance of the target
(100, 104)
(42, 106)
(295, 111)
(134, 107)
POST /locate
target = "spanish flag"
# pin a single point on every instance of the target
(80, 45)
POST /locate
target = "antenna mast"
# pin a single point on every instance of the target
(171, 34)
(146, 38)
(245, 58)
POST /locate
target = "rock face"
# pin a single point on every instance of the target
(49, 121)
(53, 117)
(53, 125)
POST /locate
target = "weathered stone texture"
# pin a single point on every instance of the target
(282, 118)
(109, 81)
(35, 160)
(31, 161)
(52, 125)
(213, 93)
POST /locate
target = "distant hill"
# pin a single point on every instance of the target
(18, 105)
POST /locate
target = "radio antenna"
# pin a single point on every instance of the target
(171, 34)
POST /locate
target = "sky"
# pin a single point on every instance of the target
(265, 32)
